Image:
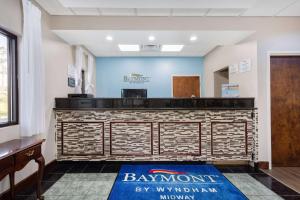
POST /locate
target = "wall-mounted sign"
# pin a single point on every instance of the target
(230, 90)
(233, 68)
(71, 71)
(136, 78)
(245, 65)
(71, 82)
(71, 75)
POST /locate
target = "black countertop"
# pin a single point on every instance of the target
(153, 103)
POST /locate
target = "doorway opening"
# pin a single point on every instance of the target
(220, 77)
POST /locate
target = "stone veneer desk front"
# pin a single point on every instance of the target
(206, 129)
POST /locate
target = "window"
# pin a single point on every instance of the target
(8, 79)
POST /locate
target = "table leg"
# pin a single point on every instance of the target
(12, 185)
(41, 163)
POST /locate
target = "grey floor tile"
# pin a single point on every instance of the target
(51, 197)
(99, 188)
(69, 197)
(108, 176)
(77, 188)
(264, 197)
(70, 177)
(249, 186)
(57, 189)
(95, 197)
(88, 177)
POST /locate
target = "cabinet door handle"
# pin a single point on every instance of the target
(29, 153)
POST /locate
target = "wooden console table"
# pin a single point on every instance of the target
(14, 156)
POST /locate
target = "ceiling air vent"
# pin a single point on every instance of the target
(150, 47)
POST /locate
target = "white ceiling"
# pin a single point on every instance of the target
(172, 7)
(94, 40)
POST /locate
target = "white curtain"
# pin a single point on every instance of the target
(91, 64)
(32, 73)
(78, 65)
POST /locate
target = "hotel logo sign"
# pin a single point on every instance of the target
(136, 78)
(172, 182)
(162, 175)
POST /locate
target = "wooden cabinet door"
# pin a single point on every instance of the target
(285, 110)
(186, 86)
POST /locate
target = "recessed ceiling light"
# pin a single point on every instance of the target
(151, 38)
(109, 38)
(129, 47)
(171, 48)
(193, 38)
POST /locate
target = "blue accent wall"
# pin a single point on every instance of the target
(110, 72)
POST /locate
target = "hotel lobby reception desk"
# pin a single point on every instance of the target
(156, 129)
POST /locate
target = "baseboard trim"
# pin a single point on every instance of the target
(230, 162)
(27, 182)
(261, 165)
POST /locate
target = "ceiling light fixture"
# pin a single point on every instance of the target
(193, 38)
(151, 38)
(129, 47)
(171, 48)
(109, 38)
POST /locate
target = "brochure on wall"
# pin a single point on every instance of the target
(233, 68)
(230, 90)
(245, 65)
(71, 71)
(71, 75)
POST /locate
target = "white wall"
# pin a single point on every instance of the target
(285, 41)
(225, 56)
(57, 56)
(277, 38)
(11, 16)
(285, 38)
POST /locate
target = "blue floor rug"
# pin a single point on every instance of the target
(172, 182)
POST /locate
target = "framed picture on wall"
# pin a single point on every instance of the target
(71, 82)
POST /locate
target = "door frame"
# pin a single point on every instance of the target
(268, 106)
(195, 75)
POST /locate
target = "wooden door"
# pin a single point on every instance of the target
(186, 86)
(285, 110)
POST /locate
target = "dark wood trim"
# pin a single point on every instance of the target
(29, 181)
(151, 138)
(26, 140)
(62, 138)
(86, 122)
(223, 122)
(130, 122)
(246, 137)
(261, 165)
(182, 154)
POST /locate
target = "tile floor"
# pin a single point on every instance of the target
(290, 176)
(94, 180)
